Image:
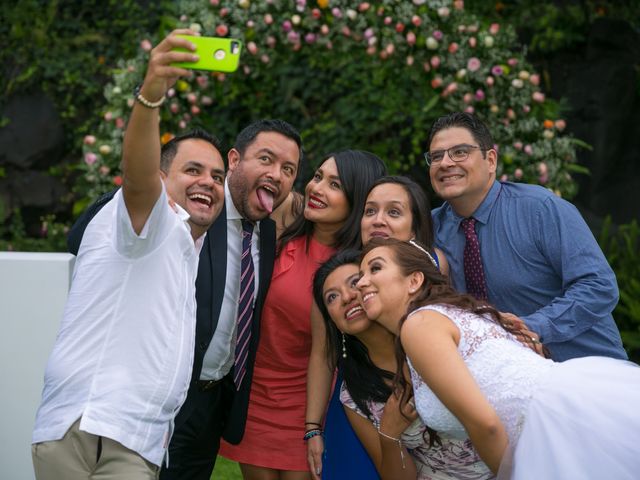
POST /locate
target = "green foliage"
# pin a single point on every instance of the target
(13, 237)
(371, 76)
(67, 48)
(622, 249)
(553, 26)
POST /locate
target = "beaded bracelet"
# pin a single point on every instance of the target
(309, 434)
(399, 445)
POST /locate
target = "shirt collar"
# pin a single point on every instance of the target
(232, 211)
(483, 211)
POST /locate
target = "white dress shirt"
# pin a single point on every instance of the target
(123, 356)
(219, 357)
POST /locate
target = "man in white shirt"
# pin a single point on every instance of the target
(121, 365)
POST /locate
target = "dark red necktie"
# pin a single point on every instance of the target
(473, 271)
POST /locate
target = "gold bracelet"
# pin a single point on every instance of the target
(399, 445)
(149, 104)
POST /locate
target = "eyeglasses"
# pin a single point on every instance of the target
(457, 153)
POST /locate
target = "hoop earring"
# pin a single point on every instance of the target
(344, 347)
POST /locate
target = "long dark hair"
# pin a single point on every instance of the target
(364, 380)
(421, 223)
(357, 170)
(435, 289)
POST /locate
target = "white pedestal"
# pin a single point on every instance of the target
(33, 291)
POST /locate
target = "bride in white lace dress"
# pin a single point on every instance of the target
(527, 416)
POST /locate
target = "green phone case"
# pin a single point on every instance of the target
(216, 54)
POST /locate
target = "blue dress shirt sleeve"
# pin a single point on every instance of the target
(590, 290)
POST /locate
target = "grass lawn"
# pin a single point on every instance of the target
(226, 470)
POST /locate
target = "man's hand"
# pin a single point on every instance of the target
(522, 332)
(161, 76)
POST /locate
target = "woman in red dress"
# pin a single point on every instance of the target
(273, 445)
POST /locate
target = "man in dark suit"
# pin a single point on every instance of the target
(263, 165)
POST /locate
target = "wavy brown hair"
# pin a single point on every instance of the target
(436, 289)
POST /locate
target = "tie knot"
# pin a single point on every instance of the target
(468, 225)
(247, 227)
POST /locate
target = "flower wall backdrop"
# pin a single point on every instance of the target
(370, 75)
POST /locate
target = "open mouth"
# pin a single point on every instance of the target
(315, 202)
(201, 198)
(368, 296)
(379, 234)
(266, 195)
(450, 178)
(353, 312)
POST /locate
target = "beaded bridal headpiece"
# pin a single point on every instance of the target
(423, 250)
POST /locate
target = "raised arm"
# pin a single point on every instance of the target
(141, 184)
(319, 378)
(442, 368)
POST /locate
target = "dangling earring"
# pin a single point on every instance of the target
(344, 347)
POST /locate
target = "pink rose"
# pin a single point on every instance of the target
(538, 97)
(453, 47)
(480, 95)
(435, 61)
(560, 125)
(411, 38)
(90, 158)
(222, 30)
(89, 140)
(518, 173)
(473, 64)
(146, 45)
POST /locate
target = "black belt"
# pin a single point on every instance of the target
(207, 385)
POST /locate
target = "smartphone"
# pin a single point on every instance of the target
(216, 54)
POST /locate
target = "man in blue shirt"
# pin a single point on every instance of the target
(540, 262)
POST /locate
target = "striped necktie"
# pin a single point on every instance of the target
(473, 270)
(245, 306)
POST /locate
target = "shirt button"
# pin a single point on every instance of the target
(203, 345)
